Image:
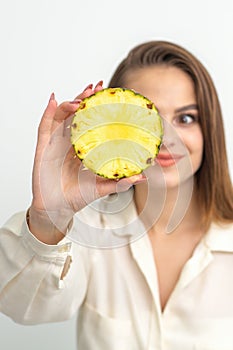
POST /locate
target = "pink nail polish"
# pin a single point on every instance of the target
(52, 97)
(139, 181)
(100, 83)
(90, 86)
(75, 102)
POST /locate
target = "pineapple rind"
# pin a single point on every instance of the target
(116, 95)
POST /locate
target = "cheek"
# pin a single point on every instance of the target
(193, 140)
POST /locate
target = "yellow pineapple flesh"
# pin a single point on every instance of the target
(116, 133)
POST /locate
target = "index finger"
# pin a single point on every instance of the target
(89, 90)
(65, 109)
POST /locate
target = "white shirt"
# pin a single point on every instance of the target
(115, 291)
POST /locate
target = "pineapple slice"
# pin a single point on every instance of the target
(116, 133)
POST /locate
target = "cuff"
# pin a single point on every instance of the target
(42, 249)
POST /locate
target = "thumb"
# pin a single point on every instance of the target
(113, 186)
(125, 183)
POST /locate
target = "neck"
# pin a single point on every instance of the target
(168, 210)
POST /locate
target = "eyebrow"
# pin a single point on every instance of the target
(182, 109)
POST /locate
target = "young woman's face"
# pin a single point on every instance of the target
(172, 92)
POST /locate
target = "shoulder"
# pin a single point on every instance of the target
(220, 237)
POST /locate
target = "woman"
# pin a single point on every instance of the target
(159, 291)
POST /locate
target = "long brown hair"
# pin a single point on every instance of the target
(214, 187)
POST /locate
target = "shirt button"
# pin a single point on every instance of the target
(64, 248)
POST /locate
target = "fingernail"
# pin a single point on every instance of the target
(139, 181)
(74, 102)
(141, 178)
(100, 83)
(90, 86)
(52, 97)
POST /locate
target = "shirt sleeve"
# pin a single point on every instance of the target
(39, 283)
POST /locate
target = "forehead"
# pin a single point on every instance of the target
(163, 85)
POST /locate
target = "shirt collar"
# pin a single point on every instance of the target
(220, 238)
(120, 215)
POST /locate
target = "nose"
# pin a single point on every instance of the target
(169, 135)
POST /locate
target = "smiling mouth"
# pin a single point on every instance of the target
(166, 160)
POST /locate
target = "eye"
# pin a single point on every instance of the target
(186, 119)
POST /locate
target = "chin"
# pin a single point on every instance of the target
(170, 177)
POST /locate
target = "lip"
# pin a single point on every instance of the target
(167, 159)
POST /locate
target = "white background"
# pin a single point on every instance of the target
(62, 46)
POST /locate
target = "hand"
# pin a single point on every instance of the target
(60, 185)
